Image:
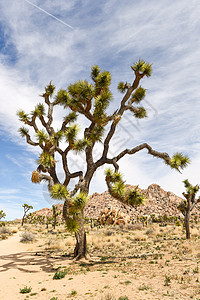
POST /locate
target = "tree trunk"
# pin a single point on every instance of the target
(23, 221)
(54, 224)
(80, 250)
(187, 224)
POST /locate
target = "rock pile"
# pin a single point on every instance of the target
(109, 210)
(159, 202)
(111, 216)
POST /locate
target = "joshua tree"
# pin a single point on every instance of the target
(186, 206)
(56, 213)
(26, 209)
(2, 214)
(48, 221)
(90, 101)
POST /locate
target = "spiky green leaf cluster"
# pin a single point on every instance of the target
(23, 117)
(2, 214)
(138, 95)
(39, 110)
(79, 202)
(57, 137)
(179, 161)
(96, 133)
(95, 70)
(59, 192)
(23, 131)
(81, 90)
(142, 67)
(72, 225)
(71, 132)
(140, 113)
(122, 87)
(113, 176)
(71, 117)
(26, 206)
(119, 188)
(63, 97)
(103, 80)
(49, 89)
(41, 136)
(80, 145)
(46, 160)
(100, 105)
(134, 197)
(191, 190)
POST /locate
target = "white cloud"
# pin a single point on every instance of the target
(113, 35)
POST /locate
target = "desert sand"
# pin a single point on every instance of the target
(159, 264)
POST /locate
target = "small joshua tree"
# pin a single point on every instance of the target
(2, 214)
(48, 221)
(89, 101)
(26, 209)
(187, 205)
(56, 213)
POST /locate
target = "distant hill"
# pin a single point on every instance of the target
(159, 202)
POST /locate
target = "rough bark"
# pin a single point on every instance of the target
(187, 224)
(23, 220)
(80, 250)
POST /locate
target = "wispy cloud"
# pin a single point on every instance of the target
(112, 34)
(8, 191)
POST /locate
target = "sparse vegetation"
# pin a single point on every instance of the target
(25, 290)
(27, 237)
(60, 274)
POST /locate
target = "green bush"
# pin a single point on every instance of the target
(60, 274)
(26, 290)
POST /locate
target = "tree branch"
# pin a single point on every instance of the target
(162, 155)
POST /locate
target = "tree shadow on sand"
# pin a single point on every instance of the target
(44, 260)
(25, 262)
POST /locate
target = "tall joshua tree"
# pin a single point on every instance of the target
(26, 208)
(187, 205)
(89, 100)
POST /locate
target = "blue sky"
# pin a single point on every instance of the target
(36, 47)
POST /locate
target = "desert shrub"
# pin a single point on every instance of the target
(149, 231)
(108, 297)
(60, 274)
(139, 236)
(178, 223)
(26, 237)
(25, 290)
(134, 227)
(2, 224)
(3, 236)
(109, 233)
(5, 230)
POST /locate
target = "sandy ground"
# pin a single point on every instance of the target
(20, 267)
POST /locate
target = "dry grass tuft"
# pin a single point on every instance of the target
(139, 236)
(55, 244)
(27, 237)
